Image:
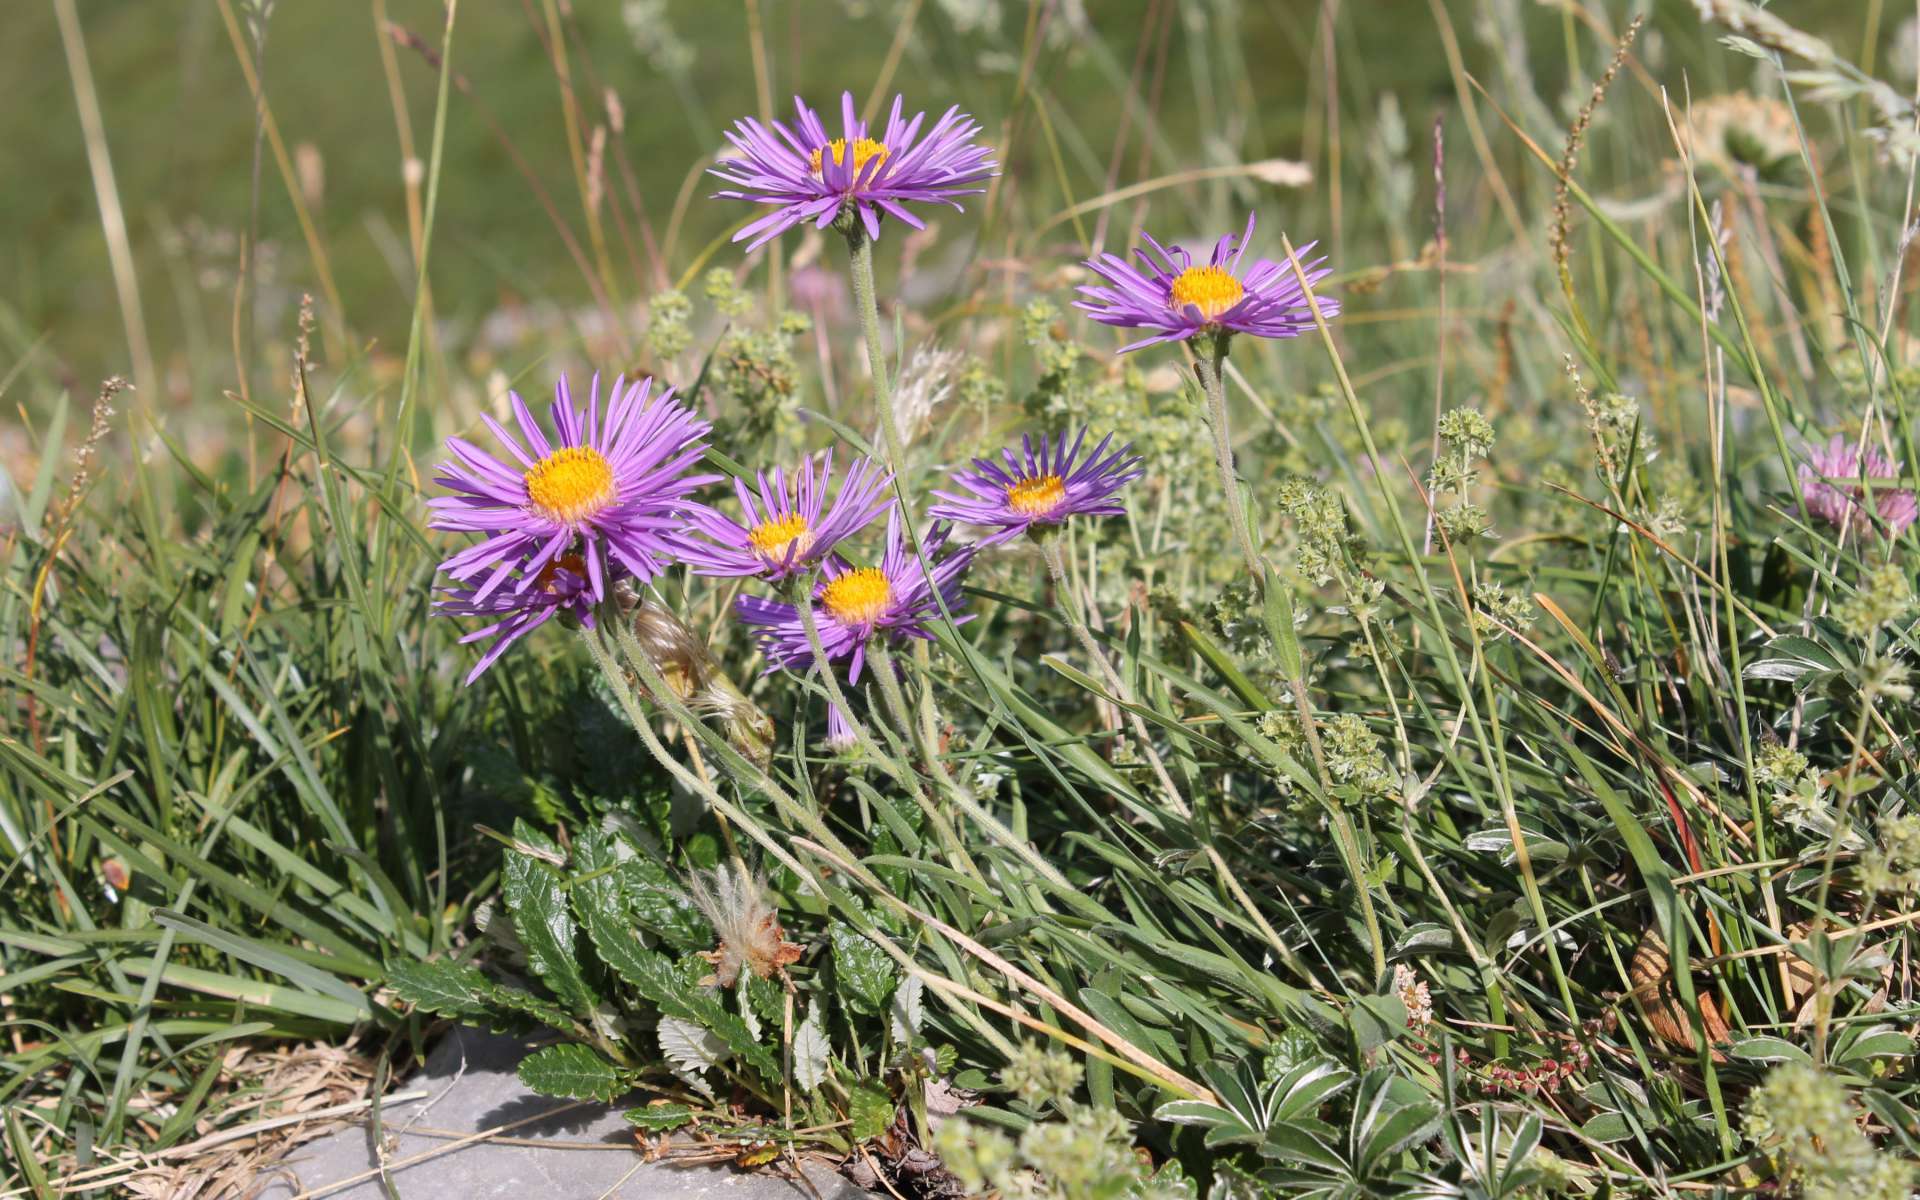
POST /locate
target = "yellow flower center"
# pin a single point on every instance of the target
(1036, 497)
(772, 539)
(1212, 290)
(570, 485)
(857, 597)
(865, 150)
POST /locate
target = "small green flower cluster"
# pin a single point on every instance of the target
(752, 362)
(1614, 421)
(1355, 759)
(1317, 418)
(1467, 438)
(1086, 1156)
(669, 328)
(1496, 609)
(1794, 787)
(1327, 551)
(1807, 1125)
(1893, 866)
(1041, 1075)
(1883, 596)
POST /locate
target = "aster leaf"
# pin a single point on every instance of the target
(671, 990)
(659, 1118)
(690, 1047)
(463, 991)
(865, 975)
(906, 1009)
(624, 886)
(449, 989)
(571, 1070)
(871, 1110)
(544, 922)
(811, 1050)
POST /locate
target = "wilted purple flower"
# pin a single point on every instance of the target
(1177, 299)
(853, 605)
(559, 588)
(786, 529)
(1039, 489)
(809, 176)
(1837, 502)
(612, 490)
(840, 736)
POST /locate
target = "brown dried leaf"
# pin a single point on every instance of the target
(1651, 975)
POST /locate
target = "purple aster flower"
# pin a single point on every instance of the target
(1837, 503)
(612, 487)
(1039, 489)
(559, 588)
(808, 176)
(853, 605)
(1177, 299)
(786, 529)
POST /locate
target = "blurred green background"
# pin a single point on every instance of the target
(181, 129)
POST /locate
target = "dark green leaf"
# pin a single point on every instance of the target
(573, 1070)
(866, 976)
(658, 1118)
(542, 919)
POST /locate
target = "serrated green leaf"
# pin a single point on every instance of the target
(865, 975)
(572, 1070)
(659, 1118)
(642, 891)
(811, 1050)
(871, 1110)
(544, 922)
(447, 988)
(657, 978)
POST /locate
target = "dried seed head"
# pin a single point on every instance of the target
(735, 903)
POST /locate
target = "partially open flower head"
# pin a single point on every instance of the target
(744, 920)
(853, 605)
(559, 588)
(806, 174)
(610, 488)
(1830, 482)
(1175, 298)
(688, 668)
(787, 524)
(1039, 488)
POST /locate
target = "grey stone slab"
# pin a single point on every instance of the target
(475, 1070)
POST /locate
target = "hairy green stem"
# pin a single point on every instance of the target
(864, 302)
(1213, 383)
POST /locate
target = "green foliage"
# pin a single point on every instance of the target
(1537, 819)
(573, 1071)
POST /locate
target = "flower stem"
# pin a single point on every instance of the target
(1213, 382)
(893, 446)
(861, 249)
